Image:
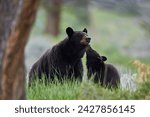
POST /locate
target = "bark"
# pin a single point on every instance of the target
(13, 65)
(53, 17)
(8, 12)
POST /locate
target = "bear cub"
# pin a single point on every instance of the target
(104, 74)
(64, 59)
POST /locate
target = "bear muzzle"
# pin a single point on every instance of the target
(88, 39)
(85, 40)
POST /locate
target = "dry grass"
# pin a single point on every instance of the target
(143, 70)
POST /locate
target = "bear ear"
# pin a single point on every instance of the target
(85, 30)
(104, 58)
(69, 31)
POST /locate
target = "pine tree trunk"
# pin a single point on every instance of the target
(13, 74)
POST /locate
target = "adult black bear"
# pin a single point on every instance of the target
(105, 74)
(64, 59)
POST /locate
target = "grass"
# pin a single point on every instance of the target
(95, 92)
(61, 91)
(87, 90)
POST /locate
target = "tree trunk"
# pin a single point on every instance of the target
(53, 13)
(13, 75)
(8, 12)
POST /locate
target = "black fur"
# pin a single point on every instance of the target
(63, 60)
(105, 74)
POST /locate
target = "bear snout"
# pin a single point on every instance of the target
(88, 39)
(85, 40)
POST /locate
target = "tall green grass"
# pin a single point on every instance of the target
(87, 90)
(67, 90)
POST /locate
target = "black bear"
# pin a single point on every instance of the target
(105, 74)
(64, 59)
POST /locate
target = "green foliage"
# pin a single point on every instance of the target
(87, 90)
(94, 92)
(55, 90)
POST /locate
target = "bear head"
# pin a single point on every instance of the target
(78, 38)
(93, 57)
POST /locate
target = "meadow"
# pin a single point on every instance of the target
(112, 33)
